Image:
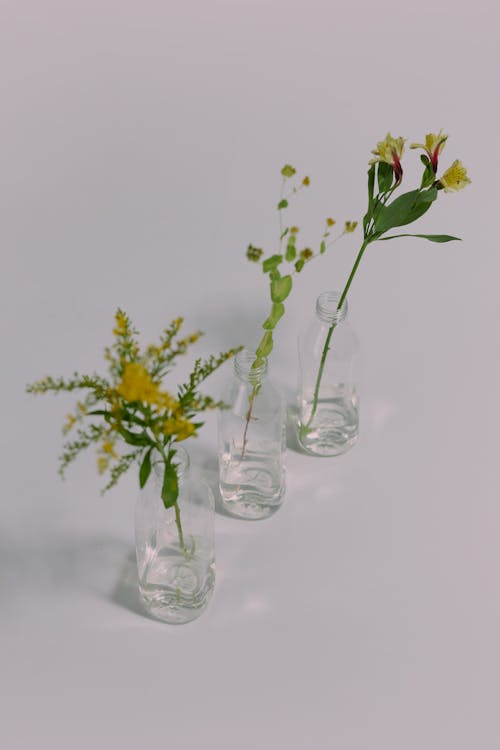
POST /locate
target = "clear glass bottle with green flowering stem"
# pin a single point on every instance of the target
(385, 176)
(251, 461)
(280, 284)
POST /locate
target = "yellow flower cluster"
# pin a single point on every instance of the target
(180, 427)
(121, 327)
(137, 385)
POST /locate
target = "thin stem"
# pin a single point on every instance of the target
(331, 330)
(179, 526)
(248, 417)
(176, 505)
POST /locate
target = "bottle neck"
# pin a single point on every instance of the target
(180, 462)
(245, 367)
(327, 308)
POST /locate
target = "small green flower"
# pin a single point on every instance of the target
(288, 171)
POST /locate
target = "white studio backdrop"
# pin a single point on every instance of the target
(140, 154)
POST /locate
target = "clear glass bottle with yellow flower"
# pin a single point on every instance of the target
(175, 547)
(131, 418)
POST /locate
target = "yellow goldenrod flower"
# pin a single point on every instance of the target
(455, 177)
(330, 222)
(70, 421)
(306, 181)
(137, 385)
(194, 337)
(180, 427)
(109, 448)
(350, 226)
(390, 151)
(168, 402)
(121, 326)
(184, 430)
(434, 144)
(102, 464)
(288, 171)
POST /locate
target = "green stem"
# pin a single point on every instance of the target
(176, 506)
(179, 527)
(248, 417)
(331, 330)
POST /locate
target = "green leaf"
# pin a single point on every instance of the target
(266, 345)
(170, 487)
(405, 209)
(290, 249)
(281, 288)
(277, 312)
(428, 176)
(371, 186)
(322, 247)
(385, 175)
(431, 237)
(271, 263)
(145, 469)
(299, 265)
(284, 233)
(258, 363)
(134, 438)
(275, 275)
(282, 204)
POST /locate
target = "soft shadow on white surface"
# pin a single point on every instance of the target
(126, 590)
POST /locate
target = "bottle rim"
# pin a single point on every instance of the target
(180, 461)
(327, 307)
(245, 369)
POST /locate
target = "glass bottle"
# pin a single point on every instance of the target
(252, 442)
(175, 550)
(328, 403)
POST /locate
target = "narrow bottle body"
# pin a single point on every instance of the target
(328, 392)
(251, 435)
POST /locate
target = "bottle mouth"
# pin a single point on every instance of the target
(180, 462)
(250, 368)
(327, 308)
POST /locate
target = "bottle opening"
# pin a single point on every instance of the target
(180, 461)
(327, 308)
(250, 368)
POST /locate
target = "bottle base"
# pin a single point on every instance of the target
(250, 508)
(333, 431)
(176, 589)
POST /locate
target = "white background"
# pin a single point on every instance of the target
(140, 153)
